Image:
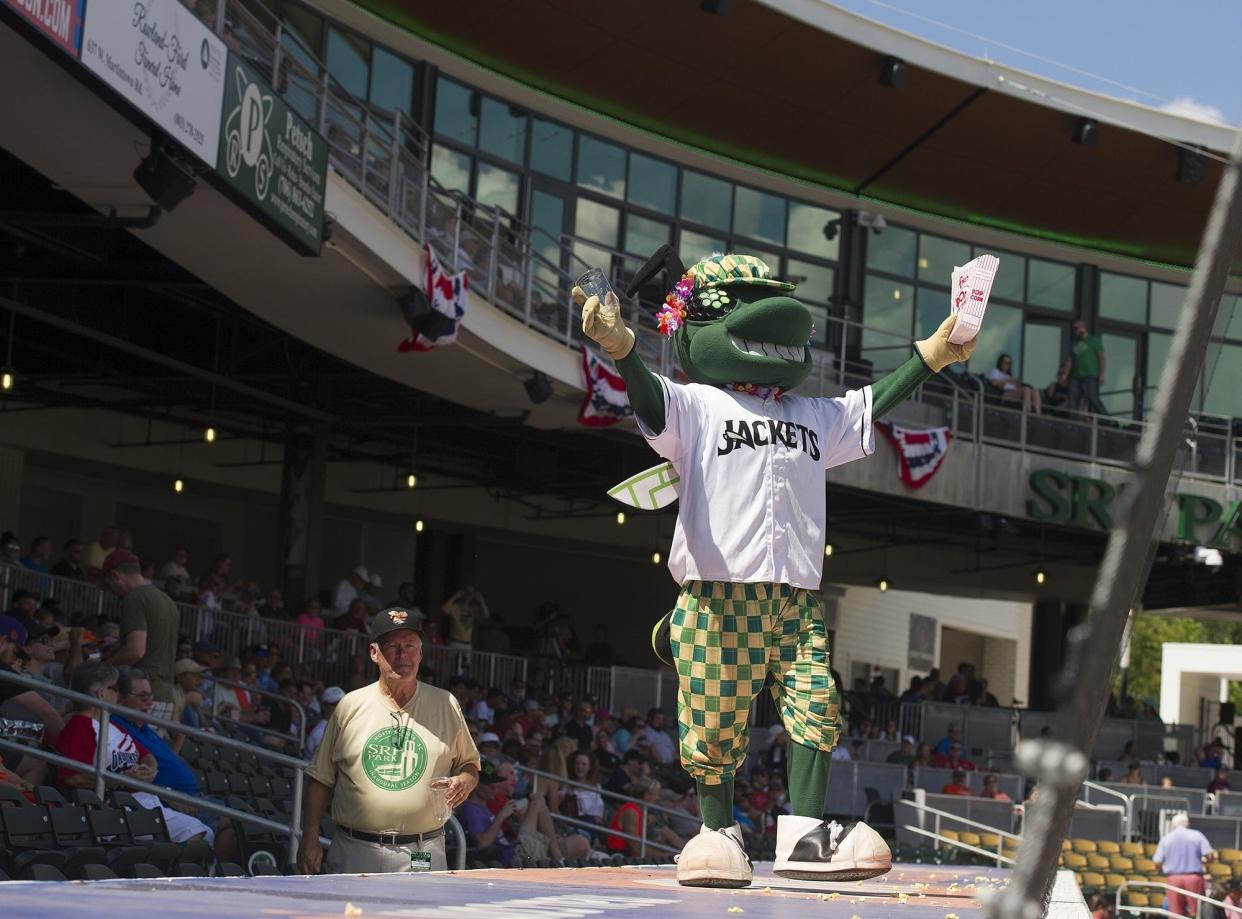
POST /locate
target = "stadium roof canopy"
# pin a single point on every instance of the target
(793, 86)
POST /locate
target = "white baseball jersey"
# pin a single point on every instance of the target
(753, 494)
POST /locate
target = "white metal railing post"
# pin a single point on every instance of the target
(101, 751)
(457, 236)
(493, 268)
(1095, 437)
(221, 14)
(364, 146)
(278, 56)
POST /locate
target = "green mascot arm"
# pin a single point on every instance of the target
(645, 392)
(889, 392)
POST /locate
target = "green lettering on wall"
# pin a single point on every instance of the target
(1193, 510)
(1051, 487)
(1091, 500)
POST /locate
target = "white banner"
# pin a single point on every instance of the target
(162, 59)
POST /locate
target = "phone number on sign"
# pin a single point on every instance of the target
(187, 128)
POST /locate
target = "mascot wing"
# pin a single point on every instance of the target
(650, 489)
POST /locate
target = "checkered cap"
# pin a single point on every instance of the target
(709, 298)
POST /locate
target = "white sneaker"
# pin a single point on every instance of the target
(811, 850)
(714, 858)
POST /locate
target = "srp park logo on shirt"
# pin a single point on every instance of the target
(393, 759)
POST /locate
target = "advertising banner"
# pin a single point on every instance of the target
(59, 20)
(272, 157)
(165, 62)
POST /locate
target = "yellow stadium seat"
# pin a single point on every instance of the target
(971, 839)
(1083, 846)
(1098, 862)
(990, 841)
(1145, 865)
(1065, 845)
(1229, 856)
(1091, 879)
(1120, 863)
(1217, 870)
(1108, 847)
(1132, 849)
(1149, 849)
(1074, 861)
(1112, 880)
(1135, 898)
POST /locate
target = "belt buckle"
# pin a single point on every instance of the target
(388, 839)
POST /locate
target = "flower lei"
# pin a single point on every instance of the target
(763, 392)
(672, 314)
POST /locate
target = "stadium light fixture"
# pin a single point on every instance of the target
(882, 583)
(893, 72)
(827, 550)
(655, 557)
(6, 379)
(1040, 576)
(209, 435)
(1086, 132)
(178, 486)
(620, 518)
(418, 526)
(411, 481)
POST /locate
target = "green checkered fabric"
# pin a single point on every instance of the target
(726, 639)
(723, 270)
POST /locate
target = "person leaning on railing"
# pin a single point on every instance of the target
(12, 638)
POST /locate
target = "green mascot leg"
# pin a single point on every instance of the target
(808, 780)
(716, 804)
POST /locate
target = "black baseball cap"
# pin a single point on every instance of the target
(392, 619)
(487, 773)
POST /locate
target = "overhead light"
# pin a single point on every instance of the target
(178, 486)
(882, 584)
(1086, 132)
(1040, 575)
(209, 435)
(411, 480)
(893, 72)
(1209, 557)
(165, 178)
(6, 380)
(655, 558)
(538, 387)
(418, 526)
(827, 550)
(620, 518)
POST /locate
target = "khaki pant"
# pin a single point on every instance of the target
(347, 855)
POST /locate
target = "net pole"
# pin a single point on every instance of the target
(1083, 687)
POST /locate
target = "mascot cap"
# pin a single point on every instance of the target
(702, 293)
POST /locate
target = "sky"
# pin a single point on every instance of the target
(1186, 56)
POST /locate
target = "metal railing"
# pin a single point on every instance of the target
(934, 833)
(1127, 908)
(644, 806)
(241, 727)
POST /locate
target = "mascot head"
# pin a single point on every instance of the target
(732, 322)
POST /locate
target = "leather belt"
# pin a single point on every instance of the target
(392, 839)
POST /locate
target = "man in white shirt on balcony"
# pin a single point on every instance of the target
(350, 589)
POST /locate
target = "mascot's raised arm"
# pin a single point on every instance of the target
(749, 461)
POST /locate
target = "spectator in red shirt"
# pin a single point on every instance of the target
(958, 786)
(954, 759)
(1220, 782)
(992, 789)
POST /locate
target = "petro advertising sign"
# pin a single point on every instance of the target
(59, 20)
(165, 62)
(273, 158)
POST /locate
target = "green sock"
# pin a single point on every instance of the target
(716, 804)
(808, 780)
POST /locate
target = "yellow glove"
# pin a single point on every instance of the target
(938, 352)
(603, 323)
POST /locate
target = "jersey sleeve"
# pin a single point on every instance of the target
(682, 417)
(77, 742)
(323, 767)
(845, 429)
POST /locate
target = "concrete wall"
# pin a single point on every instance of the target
(1192, 672)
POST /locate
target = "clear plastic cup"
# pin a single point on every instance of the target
(439, 799)
(595, 284)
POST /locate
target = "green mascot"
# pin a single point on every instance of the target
(748, 463)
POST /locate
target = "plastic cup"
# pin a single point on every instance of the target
(595, 284)
(439, 789)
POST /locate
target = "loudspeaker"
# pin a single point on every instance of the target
(165, 178)
(1228, 712)
(538, 387)
(893, 72)
(420, 315)
(1086, 132)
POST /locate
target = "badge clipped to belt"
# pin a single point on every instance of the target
(420, 861)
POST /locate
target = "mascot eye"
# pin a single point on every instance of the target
(711, 304)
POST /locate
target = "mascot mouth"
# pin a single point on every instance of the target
(796, 353)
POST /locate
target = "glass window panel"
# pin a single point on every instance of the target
(643, 236)
(1224, 391)
(453, 118)
(502, 131)
(1166, 304)
(1010, 282)
(1120, 369)
(771, 259)
(653, 183)
(1001, 334)
(1041, 354)
(498, 188)
(597, 222)
(706, 200)
(814, 281)
(695, 246)
(1228, 322)
(306, 26)
(601, 166)
(547, 218)
(933, 306)
(392, 82)
(587, 257)
(551, 149)
(759, 215)
(888, 309)
(450, 168)
(938, 257)
(349, 61)
(893, 251)
(1123, 297)
(1049, 284)
(1157, 354)
(806, 230)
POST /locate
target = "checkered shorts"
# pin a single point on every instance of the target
(726, 639)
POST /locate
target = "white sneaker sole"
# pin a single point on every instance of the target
(818, 871)
(705, 877)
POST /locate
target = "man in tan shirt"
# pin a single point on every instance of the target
(383, 746)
